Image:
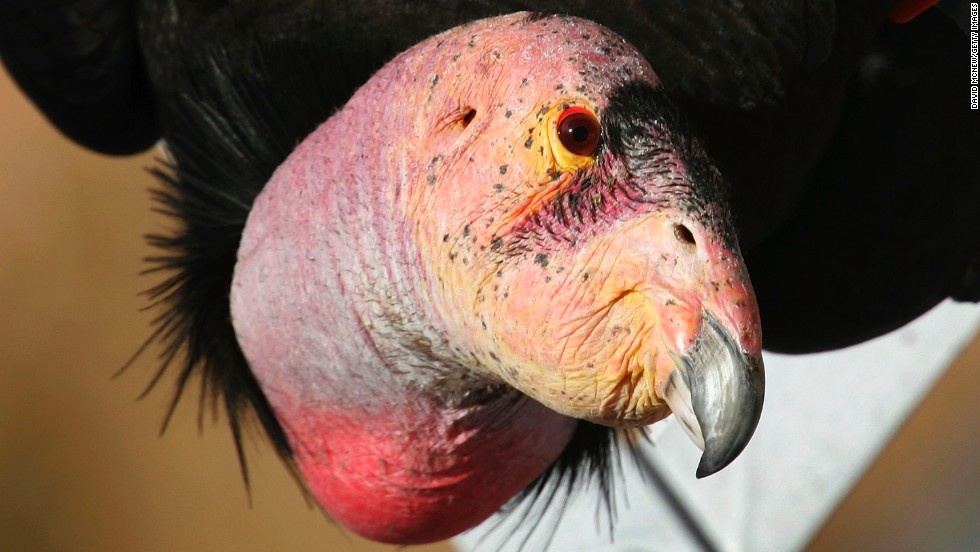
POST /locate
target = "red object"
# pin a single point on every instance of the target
(907, 10)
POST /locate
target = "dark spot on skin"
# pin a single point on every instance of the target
(466, 231)
(431, 179)
(541, 259)
(585, 277)
(617, 330)
(670, 302)
(495, 244)
(560, 87)
(523, 82)
(529, 142)
(498, 187)
(503, 169)
(494, 356)
(500, 274)
(435, 160)
(471, 43)
(452, 256)
(508, 113)
(547, 279)
(445, 238)
(435, 80)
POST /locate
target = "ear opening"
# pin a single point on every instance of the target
(459, 119)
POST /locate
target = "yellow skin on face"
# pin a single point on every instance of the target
(590, 330)
(575, 331)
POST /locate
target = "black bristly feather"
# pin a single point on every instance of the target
(592, 457)
(231, 112)
(232, 108)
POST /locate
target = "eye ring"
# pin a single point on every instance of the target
(579, 131)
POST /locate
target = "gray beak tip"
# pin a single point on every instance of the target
(714, 463)
(717, 393)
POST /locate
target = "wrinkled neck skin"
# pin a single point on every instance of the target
(394, 434)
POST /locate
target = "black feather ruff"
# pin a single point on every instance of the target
(232, 109)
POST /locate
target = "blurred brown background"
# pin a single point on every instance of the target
(82, 467)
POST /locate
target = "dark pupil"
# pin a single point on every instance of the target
(580, 133)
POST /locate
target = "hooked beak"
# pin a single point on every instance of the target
(716, 392)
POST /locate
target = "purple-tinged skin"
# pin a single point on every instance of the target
(421, 317)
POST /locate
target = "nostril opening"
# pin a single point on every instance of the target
(683, 234)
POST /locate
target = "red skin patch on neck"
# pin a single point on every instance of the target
(907, 10)
(411, 475)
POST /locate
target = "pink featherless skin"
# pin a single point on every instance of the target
(425, 353)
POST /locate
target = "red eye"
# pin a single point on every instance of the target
(579, 130)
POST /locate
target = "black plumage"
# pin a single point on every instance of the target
(889, 225)
(80, 63)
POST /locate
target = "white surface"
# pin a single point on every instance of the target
(825, 418)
